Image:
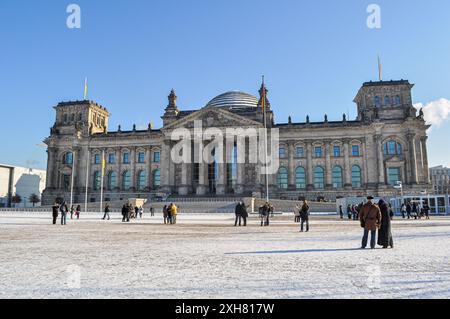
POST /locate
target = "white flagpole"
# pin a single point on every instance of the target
(101, 184)
(265, 142)
(87, 181)
(72, 178)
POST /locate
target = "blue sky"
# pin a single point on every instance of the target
(314, 54)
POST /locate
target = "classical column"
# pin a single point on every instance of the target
(413, 157)
(328, 169)
(380, 159)
(291, 166)
(148, 168)
(183, 190)
(426, 171)
(166, 164)
(365, 179)
(310, 185)
(347, 169)
(222, 181)
(50, 168)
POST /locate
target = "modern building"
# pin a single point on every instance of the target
(22, 181)
(386, 143)
(440, 178)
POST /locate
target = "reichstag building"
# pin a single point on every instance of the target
(386, 143)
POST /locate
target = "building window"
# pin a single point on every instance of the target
(392, 148)
(68, 158)
(126, 158)
(282, 152)
(337, 151)
(157, 178)
(319, 177)
(72, 118)
(112, 181)
(398, 100)
(80, 117)
(283, 178)
(111, 158)
(156, 157)
(66, 118)
(97, 159)
(66, 181)
(97, 180)
(377, 101)
(337, 177)
(355, 150)
(300, 152)
(387, 100)
(318, 152)
(394, 176)
(141, 157)
(142, 180)
(126, 181)
(300, 178)
(356, 176)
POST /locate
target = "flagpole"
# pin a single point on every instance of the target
(87, 180)
(265, 139)
(72, 178)
(101, 184)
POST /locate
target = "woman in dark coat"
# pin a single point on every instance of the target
(385, 233)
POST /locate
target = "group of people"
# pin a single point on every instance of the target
(301, 214)
(170, 213)
(376, 217)
(352, 211)
(63, 209)
(265, 212)
(416, 211)
(129, 212)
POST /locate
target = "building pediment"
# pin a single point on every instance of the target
(213, 117)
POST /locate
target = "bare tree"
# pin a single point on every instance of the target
(34, 199)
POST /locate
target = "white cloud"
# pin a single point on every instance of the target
(436, 112)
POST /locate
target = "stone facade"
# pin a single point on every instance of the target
(385, 144)
(440, 178)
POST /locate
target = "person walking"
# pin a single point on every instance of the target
(174, 213)
(64, 210)
(354, 213)
(55, 209)
(152, 212)
(165, 215)
(304, 215)
(265, 215)
(297, 213)
(385, 238)
(370, 218)
(408, 210)
(107, 210)
(78, 211)
(244, 213)
(341, 212)
(349, 212)
(169, 214)
(124, 213)
(415, 211)
(237, 212)
(403, 210)
(141, 212)
(72, 211)
(426, 210)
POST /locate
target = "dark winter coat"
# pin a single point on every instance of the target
(385, 233)
(55, 209)
(304, 212)
(243, 211)
(238, 209)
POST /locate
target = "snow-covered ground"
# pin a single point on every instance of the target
(204, 256)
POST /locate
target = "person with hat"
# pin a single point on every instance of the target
(370, 218)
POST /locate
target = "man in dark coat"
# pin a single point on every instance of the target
(244, 213)
(385, 233)
(237, 212)
(63, 209)
(55, 209)
(124, 213)
(408, 210)
(304, 215)
(370, 218)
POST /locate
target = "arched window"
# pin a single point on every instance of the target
(377, 101)
(97, 180)
(337, 177)
(80, 117)
(282, 178)
(126, 180)
(156, 178)
(392, 148)
(387, 100)
(112, 180)
(68, 158)
(72, 118)
(300, 178)
(141, 181)
(319, 178)
(398, 100)
(356, 176)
